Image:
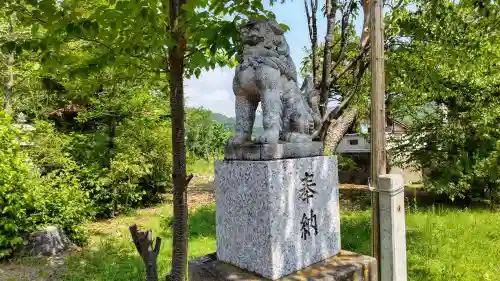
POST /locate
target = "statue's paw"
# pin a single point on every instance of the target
(269, 137)
(298, 138)
(238, 139)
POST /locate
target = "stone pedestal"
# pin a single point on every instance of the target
(278, 216)
(345, 266)
(285, 150)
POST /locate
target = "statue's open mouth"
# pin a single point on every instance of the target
(251, 39)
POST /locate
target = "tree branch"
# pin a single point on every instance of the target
(330, 11)
(365, 35)
(343, 36)
(188, 179)
(95, 41)
(334, 113)
(191, 53)
(395, 6)
(313, 35)
(308, 16)
(349, 66)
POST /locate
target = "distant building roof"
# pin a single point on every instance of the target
(68, 110)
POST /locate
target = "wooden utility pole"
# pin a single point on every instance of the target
(378, 160)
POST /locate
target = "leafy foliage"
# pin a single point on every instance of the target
(454, 137)
(16, 202)
(93, 80)
(60, 200)
(101, 70)
(29, 199)
(205, 137)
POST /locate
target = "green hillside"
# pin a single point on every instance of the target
(230, 122)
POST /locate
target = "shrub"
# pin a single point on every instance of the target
(122, 181)
(135, 172)
(59, 200)
(346, 163)
(460, 157)
(50, 149)
(16, 182)
(148, 143)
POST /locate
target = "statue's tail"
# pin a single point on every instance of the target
(311, 96)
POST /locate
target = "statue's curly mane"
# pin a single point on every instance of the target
(265, 34)
(264, 43)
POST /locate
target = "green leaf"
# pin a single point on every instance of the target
(9, 46)
(34, 29)
(213, 49)
(144, 12)
(284, 27)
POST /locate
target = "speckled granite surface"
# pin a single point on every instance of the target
(286, 150)
(276, 217)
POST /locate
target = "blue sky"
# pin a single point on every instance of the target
(213, 90)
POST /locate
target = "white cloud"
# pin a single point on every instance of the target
(213, 90)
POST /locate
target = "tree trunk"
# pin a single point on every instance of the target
(7, 105)
(365, 37)
(339, 127)
(176, 68)
(111, 153)
(330, 11)
(112, 136)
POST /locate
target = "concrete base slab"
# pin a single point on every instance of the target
(346, 266)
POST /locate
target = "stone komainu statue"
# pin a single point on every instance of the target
(267, 74)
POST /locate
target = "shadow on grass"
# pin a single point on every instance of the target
(416, 199)
(355, 231)
(109, 261)
(202, 222)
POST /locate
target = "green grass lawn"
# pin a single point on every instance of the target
(445, 244)
(449, 244)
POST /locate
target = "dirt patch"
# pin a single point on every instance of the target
(32, 268)
(201, 191)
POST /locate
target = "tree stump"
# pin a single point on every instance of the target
(143, 241)
(49, 241)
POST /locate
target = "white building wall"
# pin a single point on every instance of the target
(353, 143)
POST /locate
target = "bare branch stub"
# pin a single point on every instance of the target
(188, 179)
